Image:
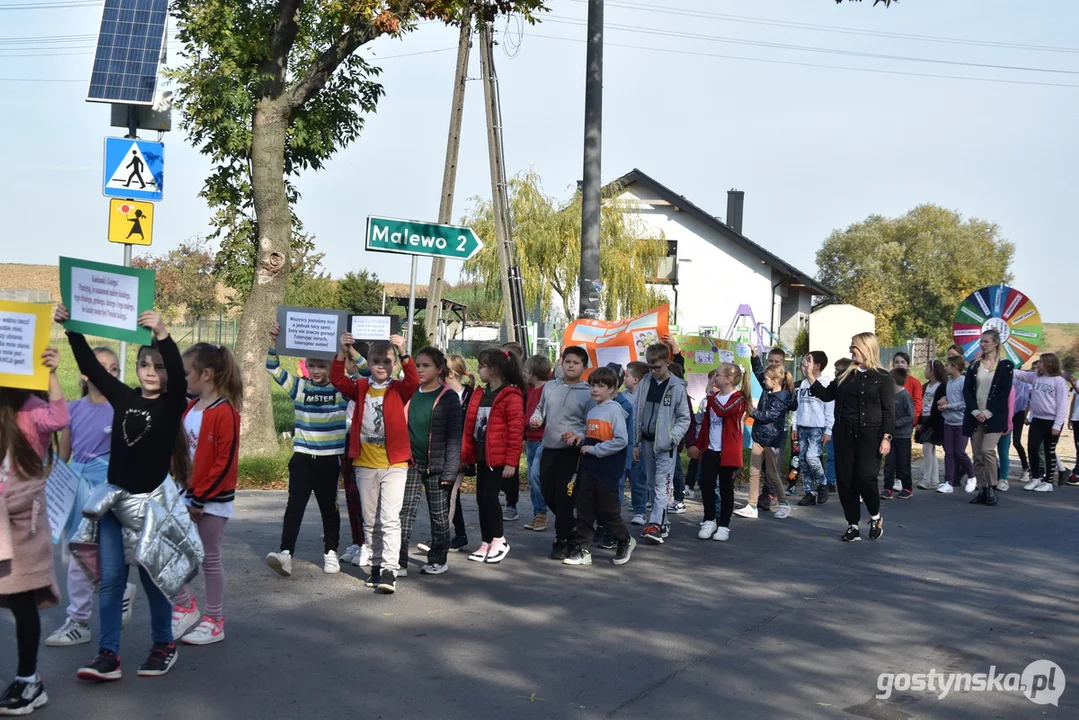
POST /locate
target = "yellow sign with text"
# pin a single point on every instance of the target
(24, 335)
(131, 222)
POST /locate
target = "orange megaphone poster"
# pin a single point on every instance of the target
(618, 341)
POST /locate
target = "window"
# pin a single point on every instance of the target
(667, 272)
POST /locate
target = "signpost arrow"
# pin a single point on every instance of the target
(409, 237)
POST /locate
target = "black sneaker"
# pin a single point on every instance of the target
(103, 668)
(458, 543)
(979, 497)
(560, 550)
(852, 535)
(22, 698)
(606, 541)
(809, 499)
(990, 496)
(625, 550)
(161, 659)
(387, 583)
(580, 556)
(1073, 479)
(876, 528)
(822, 494)
(373, 578)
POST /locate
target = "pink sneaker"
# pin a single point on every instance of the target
(208, 632)
(499, 550)
(184, 617)
(481, 553)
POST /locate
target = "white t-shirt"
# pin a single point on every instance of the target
(715, 425)
(193, 426)
(927, 403)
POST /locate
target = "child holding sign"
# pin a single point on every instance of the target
(147, 438)
(27, 424)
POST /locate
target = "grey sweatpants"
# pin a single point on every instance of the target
(659, 469)
(382, 493)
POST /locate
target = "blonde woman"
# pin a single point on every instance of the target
(864, 423)
(986, 390)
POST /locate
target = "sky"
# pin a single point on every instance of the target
(703, 95)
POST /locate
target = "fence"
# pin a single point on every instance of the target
(220, 331)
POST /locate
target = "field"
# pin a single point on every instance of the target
(1060, 337)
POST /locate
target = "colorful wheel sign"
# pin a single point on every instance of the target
(1006, 310)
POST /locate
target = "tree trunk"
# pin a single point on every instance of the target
(269, 125)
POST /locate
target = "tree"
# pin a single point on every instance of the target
(547, 238)
(360, 293)
(185, 282)
(267, 89)
(913, 272)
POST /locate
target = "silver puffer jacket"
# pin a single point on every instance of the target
(158, 533)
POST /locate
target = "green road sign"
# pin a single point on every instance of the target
(409, 237)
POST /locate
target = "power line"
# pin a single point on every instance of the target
(814, 65)
(50, 5)
(749, 19)
(808, 48)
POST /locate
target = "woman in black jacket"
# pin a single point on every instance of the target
(987, 388)
(864, 422)
(434, 428)
(931, 425)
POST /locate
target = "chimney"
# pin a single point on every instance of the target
(735, 201)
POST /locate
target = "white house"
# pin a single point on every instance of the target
(832, 325)
(712, 269)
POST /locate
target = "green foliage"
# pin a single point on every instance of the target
(914, 271)
(801, 343)
(547, 237)
(360, 293)
(484, 303)
(185, 280)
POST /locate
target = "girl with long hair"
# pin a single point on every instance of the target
(461, 381)
(931, 423)
(987, 389)
(1048, 413)
(769, 432)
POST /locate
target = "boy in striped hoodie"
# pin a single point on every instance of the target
(317, 445)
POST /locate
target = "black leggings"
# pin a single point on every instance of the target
(512, 487)
(312, 474)
(1042, 438)
(710, 471)
(857, 464)
(27, 630)
(1018, 421)
(458, 516)
(488, 482)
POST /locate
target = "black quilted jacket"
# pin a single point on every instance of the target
(444, 446)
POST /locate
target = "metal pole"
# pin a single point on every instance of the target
(412, 302)
(449, 173)
(123, 345)
(591, 200)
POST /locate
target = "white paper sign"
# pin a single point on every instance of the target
(60, 491)
(17, 342)
(726, 356)
(310, 332)
(104, 298)
(705, 357)
(372, 327)
(617, 354)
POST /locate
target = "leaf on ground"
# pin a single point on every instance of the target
(387, 614)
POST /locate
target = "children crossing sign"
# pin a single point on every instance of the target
(134, 169)
(131, 222)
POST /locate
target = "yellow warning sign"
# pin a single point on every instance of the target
(131, 222)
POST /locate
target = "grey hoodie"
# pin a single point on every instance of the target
(672, 422)
(564, 408)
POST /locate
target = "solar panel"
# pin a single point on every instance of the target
(129, 48)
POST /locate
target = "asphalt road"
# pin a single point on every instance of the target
(782, 621)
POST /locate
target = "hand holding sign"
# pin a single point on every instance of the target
(151, 320)
(346, 343)
(51, 358)
(24, 337)
(398, 343)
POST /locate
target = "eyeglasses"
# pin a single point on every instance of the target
(654, 368)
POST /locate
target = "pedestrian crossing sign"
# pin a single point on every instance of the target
(131, 222)
(134, 169)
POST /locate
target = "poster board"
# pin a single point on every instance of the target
(618, 341)
(106, 300)
(60, 491)
(310, 332)
(704, 354)
(374, 328)
(24, 335)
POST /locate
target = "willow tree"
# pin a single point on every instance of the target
(268, 89)
(547, 238)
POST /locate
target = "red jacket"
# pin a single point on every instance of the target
(505, 429)
(398, 445)
(916, 391)
(534, 434)
(214, 468)
(731, 453)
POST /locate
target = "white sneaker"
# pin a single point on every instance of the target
(747, 512)
(1003, 486)
(946, 488)
(708, 529)
(1044, 487)
(499, 550)
(971, 485)
(689, 494)
(1025, 477)
(783, 511)
(363, 557)
(638, 519)
(183, 619)
(722, 534)
(434, 568)
(280, 563)
(207, 632)
(130, 593)
(350, 552)
(330, 564)
(928, 485)
(1033, 484)
(70, 633)
(897, 485)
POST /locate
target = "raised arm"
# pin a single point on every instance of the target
(89, 366)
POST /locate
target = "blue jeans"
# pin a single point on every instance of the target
(809, 444)
(679, 480)
(113, 584)
(1004, 463)
(533, 452)
(638, 488)
(829, 468)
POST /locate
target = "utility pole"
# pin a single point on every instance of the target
(512, 294)
(591, 188)
(449, 174)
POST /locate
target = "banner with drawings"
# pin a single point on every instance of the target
(618, 341)
(704, 354)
